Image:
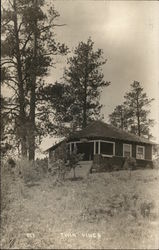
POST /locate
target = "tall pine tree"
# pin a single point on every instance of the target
(120, 117)
(133, 114)
(28, 51)
(138, 103)
(78, 101)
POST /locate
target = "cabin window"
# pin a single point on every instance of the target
(127, 150)
(106, 148)
(140, 152)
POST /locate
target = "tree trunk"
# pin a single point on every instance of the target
(24, 150)
(85, 95)
(33, 95)
(138, 118)
(22, 114)
(122, 120)
(138, 123)
(84, 113)
(31, 137)
(74, 173)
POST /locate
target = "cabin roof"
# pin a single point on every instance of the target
(99, 129)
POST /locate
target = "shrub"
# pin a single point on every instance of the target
(6, 180)
(156, 163)
(130, 163)
(27, 171)
(74, 158)
(11, 163)
(145, 208)
(42, 165)
(116, 167)
(61, 151)
(63, 161)
(59, 169)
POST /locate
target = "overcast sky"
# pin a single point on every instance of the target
(128, 33)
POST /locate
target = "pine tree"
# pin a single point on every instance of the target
(132, 115)
(138, 103)
(119, 117)
(83, 80)
(28, 51)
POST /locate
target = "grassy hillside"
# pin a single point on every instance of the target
(105, 210)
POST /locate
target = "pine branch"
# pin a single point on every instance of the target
(18, 30)
(27, 40)
(10, 111)
(8, 61)
(11, 4)
(10, 86)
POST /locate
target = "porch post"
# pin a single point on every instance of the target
(94, 147)
(99, 147)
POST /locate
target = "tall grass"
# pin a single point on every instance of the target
(112, 204)
(24, 172)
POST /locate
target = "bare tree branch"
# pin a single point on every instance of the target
(51, 26)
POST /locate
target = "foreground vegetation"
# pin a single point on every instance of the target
(104, 210)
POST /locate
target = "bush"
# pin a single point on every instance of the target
(156, 163)
(42, 165)
(59, 169)
(11, 163)
(145, 208)
(28, 171)
(74, 158)
(61, 151)
(130, 163)
(6, 180)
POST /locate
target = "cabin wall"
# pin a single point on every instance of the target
(109, 163)
(106, 164)
(117, 162)
(51, 154)
(133, 149)
(144, 164)
(148, 152)
(118, 148)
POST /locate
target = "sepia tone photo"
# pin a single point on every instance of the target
(79, 124)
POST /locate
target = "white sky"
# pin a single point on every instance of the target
(128, 33)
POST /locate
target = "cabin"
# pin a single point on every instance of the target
(106, 145)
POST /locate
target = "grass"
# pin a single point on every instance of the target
(104, 210)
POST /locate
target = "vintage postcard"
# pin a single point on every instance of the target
(79, 124)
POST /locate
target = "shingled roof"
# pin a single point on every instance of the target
(99, 129)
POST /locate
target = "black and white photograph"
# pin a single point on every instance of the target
(79, 124)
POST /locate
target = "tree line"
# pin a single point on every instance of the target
(37, 108)
(132, 115)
